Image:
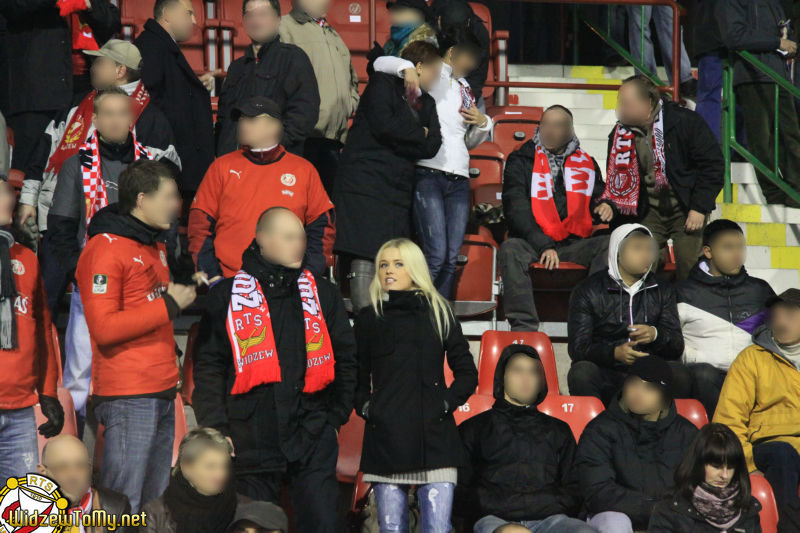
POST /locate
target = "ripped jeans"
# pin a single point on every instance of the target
(19, 448)
(435, 506)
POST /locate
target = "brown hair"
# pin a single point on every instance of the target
(646, 88)
(113, 90)
(421, 52)
(142, 176)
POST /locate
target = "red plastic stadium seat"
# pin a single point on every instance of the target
(486, 17)
(351, 20)
(181, 428)
(486, 165)
(553, 287)
(360, 491)
(70, 424)
(513, 125)
(488, 194)
(577, 411)
(475, 405)
(762, 491)
(187, 381)
(492, 345)
(351, 437)
(57, 347)
(693, 411)
(474, 288)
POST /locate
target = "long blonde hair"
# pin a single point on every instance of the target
(417, 269)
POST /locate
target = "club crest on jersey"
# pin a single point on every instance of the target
(17, 267)
(288, 179)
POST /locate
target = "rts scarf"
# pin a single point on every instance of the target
(623, 177)
(94, 188)
(717, 505)
(195, 513)
(252, 338)
(8, 294)
(578, 178)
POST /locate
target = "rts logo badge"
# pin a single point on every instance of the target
(32, 503)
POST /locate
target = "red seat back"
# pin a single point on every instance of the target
(187, 382)
(552, 289)
(693, 411)
(514, 125)
(70, 423)
(351, 20)
(483, 13)
(475, 405)
(486, 165)
(577, 411)
(474, 281)
(762, 491)
(488, 194)
(492, 345)
(351, 438)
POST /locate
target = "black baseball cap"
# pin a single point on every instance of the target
(257, 105)
(411, 4)
(789, 296)
(655, 370)
(264, 514)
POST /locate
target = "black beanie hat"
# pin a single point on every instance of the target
(653, 369)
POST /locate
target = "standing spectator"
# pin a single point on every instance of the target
(77, 198)
(712, 489)
(130, 305)
(177, 90)
(759, 398)
(407, 24)
(551, 223)
(665, 169)
(276, 371)
(273, 69)
(259, 517)
(239, 186)
(5, 152)
(374, 188)
(628, 454)
(441, 192)
(307, 27)
(521, 457)
(411, 437)
(30, 367)
(709, 50)
(619, 316)
(760, 27)
(45, 67)
(201, 495)
(720, 306)
(662, 18)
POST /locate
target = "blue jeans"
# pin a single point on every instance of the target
(78, 351)
(137, 450)
(435, 506)
(709, 91)
(558, 523)
(19, 447)
(662, 15)
(780, 463)
(441, 210)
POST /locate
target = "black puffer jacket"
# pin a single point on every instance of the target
(521, 458)
(677, 515)
(410, 422)
(627, 464)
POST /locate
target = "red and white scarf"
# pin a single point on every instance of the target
(82, 34)
(94, 187)
(467, 98)
(578, 178)
(623, 178)
(249, 325)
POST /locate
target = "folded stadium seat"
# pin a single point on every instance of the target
(513, 125)
(70, 423)
(351, 437)
(475, 405)
(552, 288)
(693, 411)
(491, 193)
(360, 492)
(351, 21)
(492, 345)
(762, 491)
(486, 165)
(187, 369)
(475, 287)
(577, 411)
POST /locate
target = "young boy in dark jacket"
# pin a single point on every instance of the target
(521, 459)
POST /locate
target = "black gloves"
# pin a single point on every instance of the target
(54, 413)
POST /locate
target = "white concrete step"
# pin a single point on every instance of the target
(596, 149)
(593, 132)
(779, 278)
(574, 101)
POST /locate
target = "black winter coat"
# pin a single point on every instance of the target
(695, 167)
(410, 423)
(521, 459)
(626, 464)
(179, 93)
(707, 34)
(281, 72)
(275, 423)
(375, 182)
(678, 515)
(600, 313)
(39, 51)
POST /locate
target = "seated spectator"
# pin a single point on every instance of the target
(272, 69)
(66, 461)
(719, 306)
(621, 315)
(201, 495)
(627, 456)
(665, 169)
(241, 185)
(87, 182)
(259, 517)
(374, 188)
(712, 489)
(441, 193)
(552, 223)
(522, 458)
(404, 339)
(407, 24)
(759, 399)
(130, 304)
(30, 367)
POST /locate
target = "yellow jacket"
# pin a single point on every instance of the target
(760, 400)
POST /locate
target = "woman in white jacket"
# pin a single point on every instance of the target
(441, 193)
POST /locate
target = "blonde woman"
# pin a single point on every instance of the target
(410, 436)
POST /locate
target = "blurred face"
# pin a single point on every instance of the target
(246, 526)
(105, 72)
(161, 207)
(7, 202)
(315, 8)
(555, 129)
(392, 271)
(180, 20)
(785, 323)
(260, 21)
(402, 16)
(719, 475)
(67, 463)
(632, 109)
(637, 254)
(113, 118)
(258, 132)
(523, 379)
(283, 240)
(641, 397)
(727, 253)
(462, 62)
(429, 74)
(209, 473)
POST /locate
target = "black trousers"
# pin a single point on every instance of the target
(313, 489)
(707, 383)
(586, 378)
(324, 155)
(28, 129)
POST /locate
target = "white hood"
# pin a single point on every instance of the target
(617, 236)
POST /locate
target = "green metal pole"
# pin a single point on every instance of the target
(641, 57)
(775, 129)
(728, 117)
